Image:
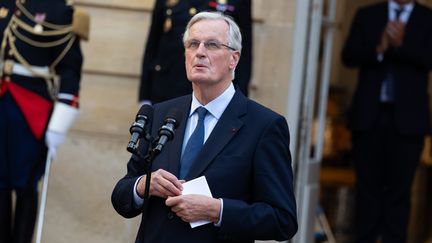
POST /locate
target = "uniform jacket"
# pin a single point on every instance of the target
(163, 72)
(31, 93)
(412, 63)
(246, 161)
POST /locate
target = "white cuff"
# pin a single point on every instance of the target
(138, 201)
(145, 102)
(219, 223)
(380, 57)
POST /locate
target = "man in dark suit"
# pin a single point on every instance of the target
(245, 157)
(391, 44)
(163, 74)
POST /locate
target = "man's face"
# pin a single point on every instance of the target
(209, 65)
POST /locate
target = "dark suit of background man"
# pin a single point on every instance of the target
(40, 71)
(245, 157)
(391, 44)
(163, 74)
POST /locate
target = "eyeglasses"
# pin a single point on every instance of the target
(211, 45)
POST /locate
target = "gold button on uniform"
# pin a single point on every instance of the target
(158, 67)
(38, 28)
(8, 67)
(192, 11)
(3, 12)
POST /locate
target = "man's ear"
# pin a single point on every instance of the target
(235, 57)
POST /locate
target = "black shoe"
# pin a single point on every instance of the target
(5, 216)
(25, 217)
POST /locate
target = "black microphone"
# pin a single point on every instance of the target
(166, 132)
(137, 129)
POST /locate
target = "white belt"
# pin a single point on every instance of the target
(23, 71)
(19, 69)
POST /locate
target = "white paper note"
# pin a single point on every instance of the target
(197, 186)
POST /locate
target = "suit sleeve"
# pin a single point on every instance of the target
(122, 197)
(243, 18)
(272, 215)
(360, 46)
(151, 49)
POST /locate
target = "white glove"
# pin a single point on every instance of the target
(53, 140)
(62, 118)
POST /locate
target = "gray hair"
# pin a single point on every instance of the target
(234, 35)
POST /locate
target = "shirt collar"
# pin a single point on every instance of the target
(217, 106)
(406, 7)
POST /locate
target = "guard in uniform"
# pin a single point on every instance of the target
(163, 72)
(40, 71)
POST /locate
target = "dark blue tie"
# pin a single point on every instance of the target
(194, 144)
(390, 78)
(398, 12)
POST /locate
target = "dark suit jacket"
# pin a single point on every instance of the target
(163, 74)
(246, 161)
(411, 62)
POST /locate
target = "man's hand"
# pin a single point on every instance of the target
(191, 208)
(162, 184)
(384, 43)
(395, 31)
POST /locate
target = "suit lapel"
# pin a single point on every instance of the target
(414, 17)
(226, 128)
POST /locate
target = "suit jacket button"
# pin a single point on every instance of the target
(170, 215)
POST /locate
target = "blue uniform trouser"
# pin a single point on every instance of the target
(22, 156)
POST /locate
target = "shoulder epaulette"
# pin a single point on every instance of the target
(81, 23)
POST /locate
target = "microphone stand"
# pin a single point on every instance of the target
(148, 159)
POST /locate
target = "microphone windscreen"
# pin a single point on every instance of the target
(176, 115)
(146, 110)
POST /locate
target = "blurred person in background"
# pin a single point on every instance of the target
(391, 44)
(40, 71)
(163, 74)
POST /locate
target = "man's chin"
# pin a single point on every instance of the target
(198, 78)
